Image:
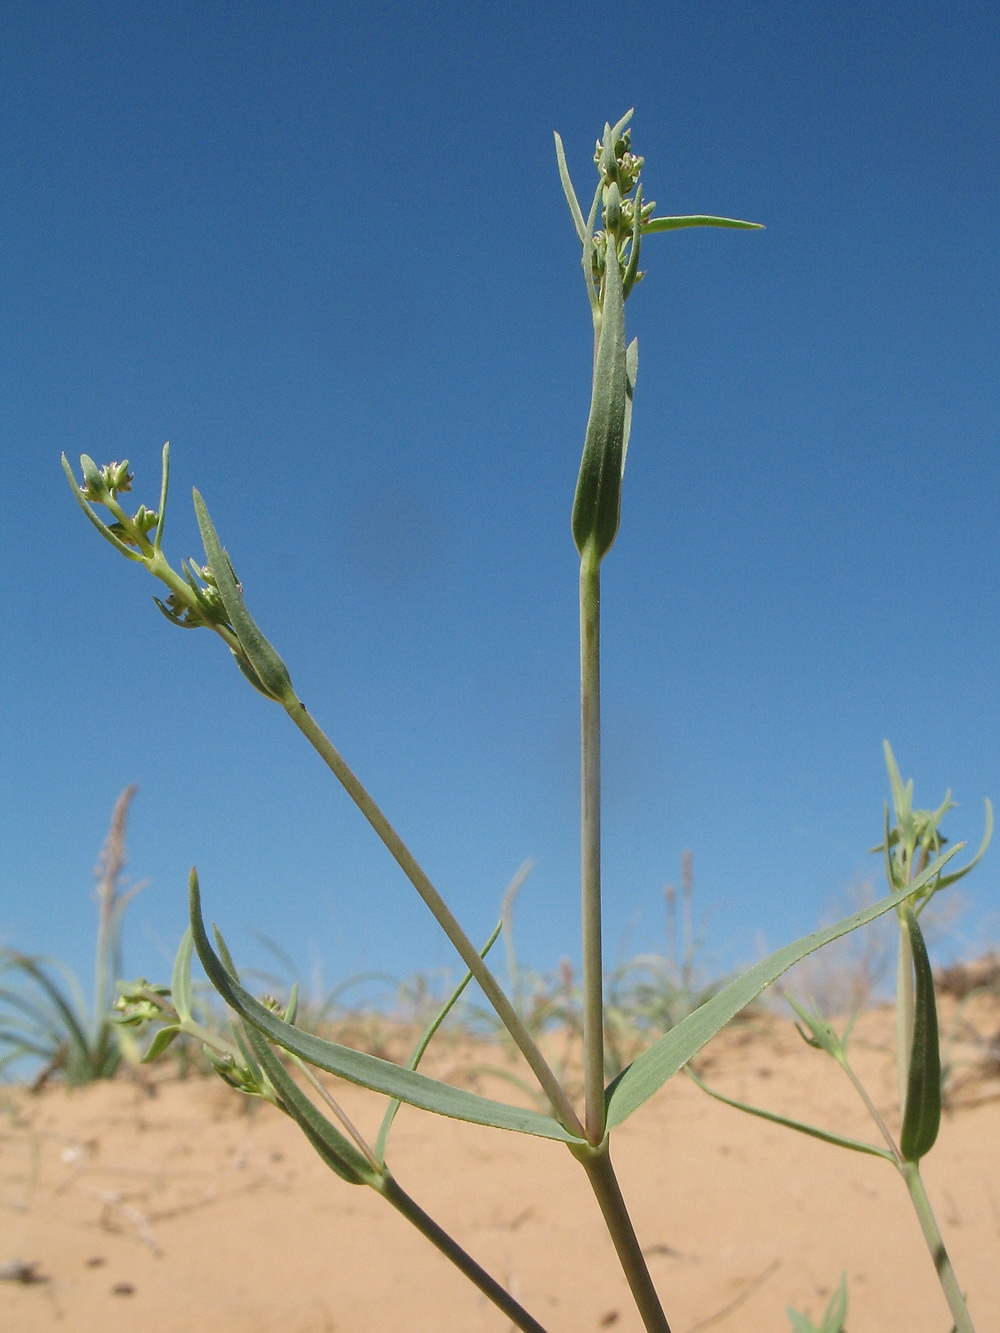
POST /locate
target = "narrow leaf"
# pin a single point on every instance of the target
(357, 1066)
(571, 199)
(597, 503)
(839, 1140)
(636, 1084)
(160, 1042)
(180, 981)
(337, 1151)
(922, 1118)
(261, 655)
(836, 1311)
(800, 1322)
(697, 220)
(631, 371)
(425, 1040)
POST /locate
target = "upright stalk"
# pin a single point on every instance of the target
(590, 842)
(932, 1234)
(604, 1183)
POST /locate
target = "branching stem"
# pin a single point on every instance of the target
(467, 951)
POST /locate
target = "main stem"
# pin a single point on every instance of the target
(590, 843)
(604, 1182)
(464, 1262)
(935, 1243)
(467, 951)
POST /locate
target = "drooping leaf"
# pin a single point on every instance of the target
(359, 1067)
(922, 1118)
(646, 1075)
(839, 1140)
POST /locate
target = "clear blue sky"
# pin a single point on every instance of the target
(323, 250)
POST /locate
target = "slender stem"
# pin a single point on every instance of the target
(873, 1110)
(928, 1223)
(464, 1262)
(604, 1182)
(590, 843)
(439, 909)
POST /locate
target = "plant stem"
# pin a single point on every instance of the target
(464, 1262)
(590, 842)
(442, 914)
(928, 1223)
(604, 1182)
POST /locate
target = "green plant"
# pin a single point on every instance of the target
(210, 595)
(833, 1316)
(908, 847)
(44, 1015)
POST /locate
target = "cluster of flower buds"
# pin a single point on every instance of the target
(619, 169)
(200, 604)
(140, 1002)
(208, 595)
(238, 1074)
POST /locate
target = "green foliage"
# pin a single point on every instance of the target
(833, 1317)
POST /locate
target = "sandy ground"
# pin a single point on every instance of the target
(185, 1207)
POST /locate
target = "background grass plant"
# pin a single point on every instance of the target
(45, 1017)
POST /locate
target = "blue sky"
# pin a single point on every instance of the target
(322, 249)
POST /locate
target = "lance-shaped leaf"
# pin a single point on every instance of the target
(922, 1118)
(597, 504)
(336, 1150)
(180, 980)
(697, 220)
(359, 1067)
(271, 672)
(840, 1140)
(646, 1075)
(426, 1038)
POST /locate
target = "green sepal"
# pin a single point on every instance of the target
(180, 980)
(273, 678)
(359, 1067)
(338, 1153)
(597, 503)
(175, 619)
(697, 220)
(647, 1074)
(922, 1118)
(160, 1042)
(839, 1140)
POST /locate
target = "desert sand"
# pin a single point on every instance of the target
(181, 1206)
